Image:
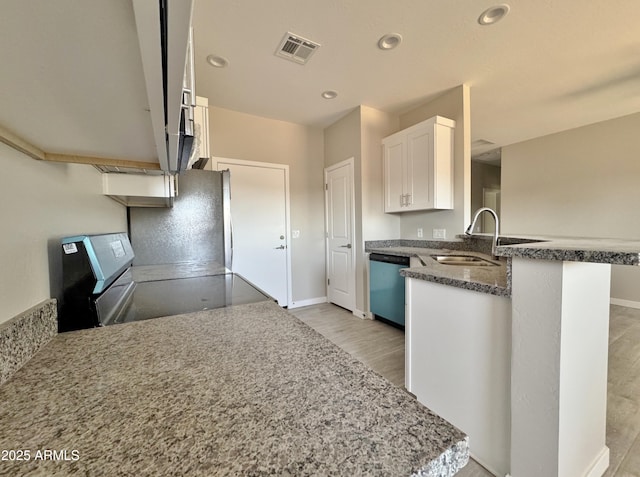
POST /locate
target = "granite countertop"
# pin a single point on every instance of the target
(244, 390)
(493, 280)
(497, 280)
(597, 250)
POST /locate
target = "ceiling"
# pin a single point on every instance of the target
(72, 79)
(547, 66)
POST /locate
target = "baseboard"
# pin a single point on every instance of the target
(323, 299)
(486, 467)
(308, 302)
(362, 314)
(599, 466)
(627, 303)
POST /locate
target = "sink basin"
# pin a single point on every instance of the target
(466, 260)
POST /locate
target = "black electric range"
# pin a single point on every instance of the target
(99, 287)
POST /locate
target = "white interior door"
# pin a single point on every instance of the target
(259, 218)
(339, 199)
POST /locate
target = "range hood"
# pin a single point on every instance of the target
(140, 190)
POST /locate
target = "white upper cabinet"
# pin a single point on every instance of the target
(418, 167)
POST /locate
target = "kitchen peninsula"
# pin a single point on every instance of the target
(458, 340)
(557, 333)
(242, 390)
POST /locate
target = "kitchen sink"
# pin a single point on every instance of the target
(466, 260)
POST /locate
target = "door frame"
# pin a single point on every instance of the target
(287, 206)
(351, 163)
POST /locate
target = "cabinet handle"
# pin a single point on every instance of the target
(408, 200)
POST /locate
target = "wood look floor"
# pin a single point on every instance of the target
(381, 347)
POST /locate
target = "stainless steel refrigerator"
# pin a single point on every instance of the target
(196, 229)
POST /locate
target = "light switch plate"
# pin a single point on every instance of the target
(295, 234)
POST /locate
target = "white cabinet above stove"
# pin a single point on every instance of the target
(140, 190)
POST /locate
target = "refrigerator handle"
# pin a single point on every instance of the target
(228, 222)
(230, 267)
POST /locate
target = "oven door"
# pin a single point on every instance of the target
(115, 299)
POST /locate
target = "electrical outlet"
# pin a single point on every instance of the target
(439, 233)
(420, 233)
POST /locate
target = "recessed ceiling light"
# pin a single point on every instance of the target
(389, 41)
(494, 14)
(217, 61)
(330, 94)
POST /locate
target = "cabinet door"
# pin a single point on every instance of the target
(420, 169)
(394, 175)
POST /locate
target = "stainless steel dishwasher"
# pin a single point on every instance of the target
(386, 288)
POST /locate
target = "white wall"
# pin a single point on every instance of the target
(359, 135)
(454, 104)
(41, 203)
(242, 136)
(582, 182)
(376, 225)
(343, 140)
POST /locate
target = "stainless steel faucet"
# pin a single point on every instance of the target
(469, 230)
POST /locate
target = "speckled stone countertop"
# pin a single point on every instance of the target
(497, 281)
(618, 252)
(493, 280)
(23, 335)
(245, 390)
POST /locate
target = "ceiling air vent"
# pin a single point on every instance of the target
(295, 48)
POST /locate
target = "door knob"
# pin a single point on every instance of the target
(346, 246)
(281, 247)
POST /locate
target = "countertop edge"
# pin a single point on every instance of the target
(449, 463)
(568, 254)
(570, 249)
(535, 247)
(467, 285)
